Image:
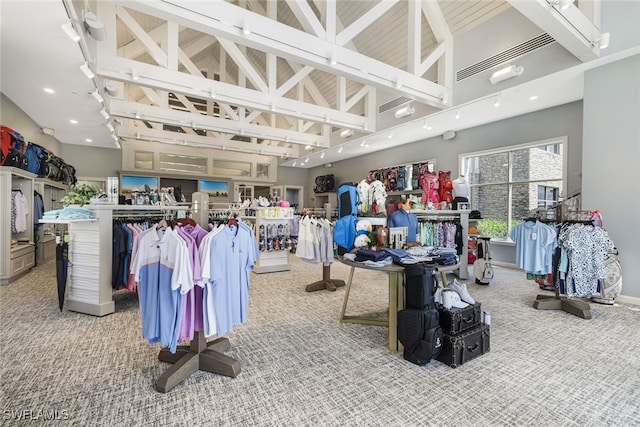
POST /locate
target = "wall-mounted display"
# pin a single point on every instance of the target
(129, 183)
(139, 190)
(218, 190)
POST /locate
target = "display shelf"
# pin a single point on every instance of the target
(15, 260)
(52, 193)
(267, 219)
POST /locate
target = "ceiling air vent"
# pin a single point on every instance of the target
(505, 56)
(393, 104)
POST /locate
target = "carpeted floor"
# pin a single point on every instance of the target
(302, 367)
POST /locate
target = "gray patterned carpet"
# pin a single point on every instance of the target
(301, 367)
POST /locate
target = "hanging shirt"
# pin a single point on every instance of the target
(535, 242)
(227, 291)
(19, 212)
(587, 247)
(163, 272)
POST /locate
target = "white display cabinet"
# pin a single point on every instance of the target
(17, 249)
(52, 193)
(272, 256)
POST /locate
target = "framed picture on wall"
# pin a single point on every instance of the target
(134, 183)
(218, 190)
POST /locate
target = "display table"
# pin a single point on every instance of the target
(396, 298)
(396, 301)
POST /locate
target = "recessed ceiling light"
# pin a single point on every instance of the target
(340, 149)
(73, 121)
(533, 98)
(88, 140)
(49, 90)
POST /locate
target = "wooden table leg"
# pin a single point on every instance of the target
(396, 300)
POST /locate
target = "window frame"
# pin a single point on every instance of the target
(463, 159)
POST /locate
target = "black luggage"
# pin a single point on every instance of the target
(455, 320)
(460, 348)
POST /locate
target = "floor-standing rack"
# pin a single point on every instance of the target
(269, 259)
(452, 215)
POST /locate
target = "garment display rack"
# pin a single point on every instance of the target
(557, 302)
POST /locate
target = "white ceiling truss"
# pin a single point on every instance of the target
(287, 77)
(276, 85)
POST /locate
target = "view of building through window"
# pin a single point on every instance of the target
(508, 184)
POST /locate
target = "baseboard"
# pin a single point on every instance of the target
(623, 299)
(504, 264)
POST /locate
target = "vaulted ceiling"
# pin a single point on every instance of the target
(282, 78)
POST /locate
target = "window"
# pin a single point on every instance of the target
(551, 148)
(507, 184)
(547, 196)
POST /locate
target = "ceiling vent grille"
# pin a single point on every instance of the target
(393, 104)
(505, 56)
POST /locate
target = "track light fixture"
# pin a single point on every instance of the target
(87, 71)
(104, 114)
(96, 95)
(71, 32)
(603, 41)
(346, 133)
(246, 28)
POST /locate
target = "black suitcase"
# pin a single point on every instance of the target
(456, 320)
(460, 348)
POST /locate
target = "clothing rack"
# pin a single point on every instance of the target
(198, 355)
(576, 307)
(327, 282)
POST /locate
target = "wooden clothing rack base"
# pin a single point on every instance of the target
(326, 283)
(200, 355)
(575, 307)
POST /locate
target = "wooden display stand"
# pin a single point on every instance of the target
(200, 355)
(326, 283)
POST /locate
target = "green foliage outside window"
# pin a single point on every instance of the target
(494, 228)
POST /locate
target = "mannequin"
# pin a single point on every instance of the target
(461, 191)
(404, 218)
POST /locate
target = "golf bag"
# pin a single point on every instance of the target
(419, 328)
(344, 232)
(610, 286)
(482, 268)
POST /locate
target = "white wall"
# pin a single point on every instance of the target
(553, 122)
(611, 159)
(92, 161)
